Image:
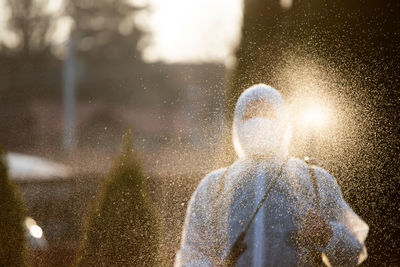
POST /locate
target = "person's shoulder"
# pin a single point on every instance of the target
(207, 189)
(211, 180)
(293, 161)
(326, 180)
(215, 174)
(323, 175)
(296, 165)
(302, 164)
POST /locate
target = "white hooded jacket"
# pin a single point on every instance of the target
(225, 200)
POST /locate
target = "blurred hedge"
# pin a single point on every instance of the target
(123, 228)
(13, 250)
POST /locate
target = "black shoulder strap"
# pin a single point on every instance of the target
(315, 184)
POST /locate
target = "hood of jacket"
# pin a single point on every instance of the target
(261, 137)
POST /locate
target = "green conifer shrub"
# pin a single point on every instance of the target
(123, 228)
(12, 233)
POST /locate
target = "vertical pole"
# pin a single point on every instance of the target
(69, 84)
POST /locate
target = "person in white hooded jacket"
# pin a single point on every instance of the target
(297, 219)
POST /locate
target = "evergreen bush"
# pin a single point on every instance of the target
(123, 228)
(12, 233)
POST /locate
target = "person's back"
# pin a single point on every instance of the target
(226, 199)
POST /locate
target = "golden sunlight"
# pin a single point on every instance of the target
(190, 31)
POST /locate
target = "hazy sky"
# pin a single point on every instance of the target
(191, 30)
(179, 30)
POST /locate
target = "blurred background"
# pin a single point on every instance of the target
(74, 75)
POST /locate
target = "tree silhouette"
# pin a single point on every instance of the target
(31, 24)
(12, 233)
(123, 229)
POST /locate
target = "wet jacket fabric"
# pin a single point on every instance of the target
(219, 210)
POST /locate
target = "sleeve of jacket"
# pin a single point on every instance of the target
(198, 242)
(346, 247)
